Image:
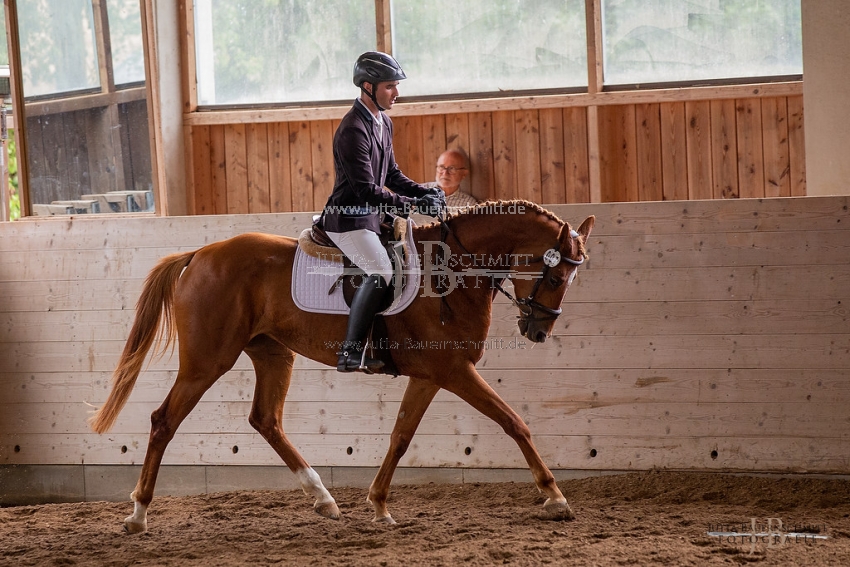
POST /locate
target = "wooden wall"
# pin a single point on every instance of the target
(709, 335)
(677, 150)
(720, 149)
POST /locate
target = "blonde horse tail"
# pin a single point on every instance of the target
(157, 299)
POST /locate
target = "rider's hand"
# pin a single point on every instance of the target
(430, 205)
(437, 192)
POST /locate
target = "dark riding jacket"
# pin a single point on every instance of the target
(363, 166)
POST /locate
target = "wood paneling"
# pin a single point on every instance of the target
(482, 176)
(504, 159)
(618, 153)
(203, 197)
(576, 148)
(777, 166)
(796, 146)
(257, 149)
(527, 136)
(457, 131)
(218, 163)
(433, 144)
(301, 170)
(698, 139)
(750, 150)
(321, 136)
(236, 168)
(674, 158)
(648, 148)
(553, 182)
(724, 150)
(688, 150)
(280, 189)
(409, 148)
(448, 417)
(694, 327)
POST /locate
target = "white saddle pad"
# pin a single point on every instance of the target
(312, 277)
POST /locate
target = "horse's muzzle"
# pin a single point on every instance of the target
(523, 326)
(530, 330)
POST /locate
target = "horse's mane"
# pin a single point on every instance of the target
(487, 205)
(484, 206)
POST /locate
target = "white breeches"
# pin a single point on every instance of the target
(363, 248)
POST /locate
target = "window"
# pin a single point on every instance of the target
(58, 52)
(125, 34)
(263, 51)
(459, 47)
(654, 41)
(83, 142)
(289, 51)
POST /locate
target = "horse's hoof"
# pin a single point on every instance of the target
(555, 510)
(383, 520)
(327, 509)
(133, 527)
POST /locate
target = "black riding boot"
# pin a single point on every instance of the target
(364, 306)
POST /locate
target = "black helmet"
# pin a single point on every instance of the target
(376, 67)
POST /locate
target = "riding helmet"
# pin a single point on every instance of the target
(376, 67)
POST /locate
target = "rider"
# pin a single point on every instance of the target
(364, 165)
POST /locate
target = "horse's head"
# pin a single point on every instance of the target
(541, 289)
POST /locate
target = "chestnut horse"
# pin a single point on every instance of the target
(234, 296)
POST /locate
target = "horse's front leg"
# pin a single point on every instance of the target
(417, 398)
(472, 388)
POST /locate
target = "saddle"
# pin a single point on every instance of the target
(324, 280)
(316, 242)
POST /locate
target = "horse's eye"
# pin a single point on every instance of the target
(556, 281)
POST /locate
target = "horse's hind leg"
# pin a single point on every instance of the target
(191, 383)
(474, 390)
(273, 367)
(417, 398)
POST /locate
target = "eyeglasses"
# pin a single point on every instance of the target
(451, 170)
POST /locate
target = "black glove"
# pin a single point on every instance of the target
(430, 205)
(437, 192)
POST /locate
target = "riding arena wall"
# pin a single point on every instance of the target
(700, 335)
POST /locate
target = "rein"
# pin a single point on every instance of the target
(526, 305)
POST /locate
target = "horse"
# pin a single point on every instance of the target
(233, 296)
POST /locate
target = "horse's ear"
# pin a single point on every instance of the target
(586, 227)
(583, 231)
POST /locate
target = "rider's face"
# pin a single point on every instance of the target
(386, 93)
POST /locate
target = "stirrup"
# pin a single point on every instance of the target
(357, 361)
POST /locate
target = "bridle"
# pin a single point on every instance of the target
(551, 258)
